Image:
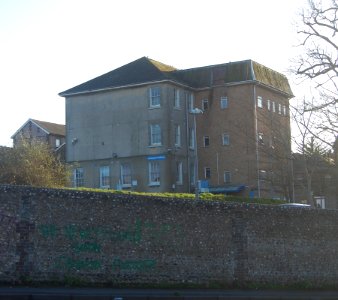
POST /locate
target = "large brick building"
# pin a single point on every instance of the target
(136, 127)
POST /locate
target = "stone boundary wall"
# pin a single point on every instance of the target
(49, 235)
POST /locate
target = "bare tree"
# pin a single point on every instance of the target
(312, 154)
(319, 63)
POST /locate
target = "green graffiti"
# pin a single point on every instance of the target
(77, 264)
(133, 265)
(134, 233)
(87, 247)
(48, 231)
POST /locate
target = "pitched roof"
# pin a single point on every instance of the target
(49, 128)
(52, 128)
(145, 70)
(139, 71)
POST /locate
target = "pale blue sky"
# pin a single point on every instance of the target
(48, 46)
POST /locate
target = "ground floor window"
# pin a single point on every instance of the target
(179, 172)
(154, 172)
(227, 177)
(207, 173)
(192, 173)
(126, 175)
(78, 177)
(104, 177)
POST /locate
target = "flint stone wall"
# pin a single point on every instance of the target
(50, 235)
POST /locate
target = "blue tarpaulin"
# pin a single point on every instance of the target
(227, 189)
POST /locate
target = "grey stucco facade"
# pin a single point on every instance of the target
(113, 128)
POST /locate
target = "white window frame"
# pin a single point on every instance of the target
(279, 108)
(205, 104)
(284, 110)
(155, 97)
(260, 138)
(224, 102)
(206, 138)
(57, 142)
(192, 142)
(177, 99)
(155, 135)
(206, 171)
(78, 177)
(192, 171)
(126, 176)
(226, 139)
(268, 104)
(104, 177)
(177, 135)
(154, 171)
(274, 106)
(259, 102)
(179, 172)
(227, 177)
(190, 101)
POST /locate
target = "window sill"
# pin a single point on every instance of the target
(154, 184)
(155, 146)
(154, 107)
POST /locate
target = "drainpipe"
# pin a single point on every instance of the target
(187, 140)
(256, 131)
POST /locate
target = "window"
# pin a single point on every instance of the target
(320, 201)
(155, 135)
(207, 173)
(205, 104)
(227, 177)
(154, 172)
(179, 172)
(273, 106)
(155, 97)
(191, 138)
(206, 141)
(104, 177)
(126, 175)
(268, 103)
(192, 173)
(284, 110)
(177, 135)
(224, 102)
(78, 178)
(57, 143)
(279, 108)
(190, 97)
(177, 99)
(261, 138)
(225, 139)
(259, 102)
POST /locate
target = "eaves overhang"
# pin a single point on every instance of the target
(63, 94)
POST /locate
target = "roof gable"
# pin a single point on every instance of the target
(47, 127)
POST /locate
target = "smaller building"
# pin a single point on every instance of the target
(316, 179)
(50, 133)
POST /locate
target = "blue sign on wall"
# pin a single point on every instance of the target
(157, 157)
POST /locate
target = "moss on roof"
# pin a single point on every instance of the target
(271, 78)
(161, 66)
